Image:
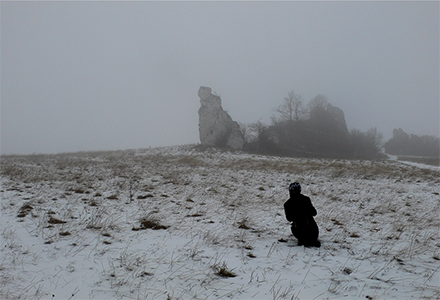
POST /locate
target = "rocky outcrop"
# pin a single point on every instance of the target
(216, 127)
(329, 118)
(338, 116)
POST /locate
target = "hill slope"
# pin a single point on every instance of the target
(180, 222)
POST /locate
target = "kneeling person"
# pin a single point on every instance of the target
(300, 212)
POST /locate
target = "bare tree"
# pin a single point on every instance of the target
(366, 145)
(317, 110)
(246, 131)
(319, 102)
(259, 135)
(375, 140)
(257, 129)
(292, 108)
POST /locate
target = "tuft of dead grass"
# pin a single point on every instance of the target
(149, 223)
(223, 271)
(244, 224)
(25, 210)
(53, 220)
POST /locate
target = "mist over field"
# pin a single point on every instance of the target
(82, 76)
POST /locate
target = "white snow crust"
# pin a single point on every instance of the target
(379, 227)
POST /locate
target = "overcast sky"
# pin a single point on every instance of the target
(124, 75)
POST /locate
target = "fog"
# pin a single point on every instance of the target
(81, 76)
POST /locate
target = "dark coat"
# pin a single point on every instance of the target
(300, 212)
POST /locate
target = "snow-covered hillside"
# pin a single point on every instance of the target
(77, 226)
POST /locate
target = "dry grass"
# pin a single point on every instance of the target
(378, 213)
(149, 223)
(222, 270)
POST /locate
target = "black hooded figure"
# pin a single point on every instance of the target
(300, 212)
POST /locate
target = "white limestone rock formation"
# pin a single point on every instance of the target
(216, 127)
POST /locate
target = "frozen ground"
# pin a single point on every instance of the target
(75, 226)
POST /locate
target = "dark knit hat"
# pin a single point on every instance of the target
(295, 187)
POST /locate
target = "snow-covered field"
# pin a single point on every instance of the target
(76, 226)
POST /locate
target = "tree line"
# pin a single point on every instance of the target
(403, 143)
(316, 129)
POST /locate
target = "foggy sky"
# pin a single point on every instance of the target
(79, 76)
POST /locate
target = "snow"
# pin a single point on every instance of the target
(418, 165)
(378, 222)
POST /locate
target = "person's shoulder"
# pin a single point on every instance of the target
(305, 197)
